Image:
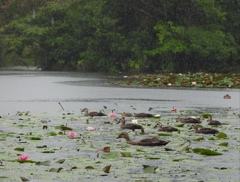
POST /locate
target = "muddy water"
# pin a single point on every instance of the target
(40, 91)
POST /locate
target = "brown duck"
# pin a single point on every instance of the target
(188, 120)
(143, 142)
(143, 115)
(165, 128)
(213, 122)
(204, 130)
(130, 126)
(125, 114)
(93, 113)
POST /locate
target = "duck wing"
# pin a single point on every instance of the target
(143, 115)
(208, 131)
(168, 129)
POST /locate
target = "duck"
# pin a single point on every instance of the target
(130, 126)
(204, 130)
(227, 96)
(165, 128)
(93, 113)
(188, 120)
(213, 122)
(143, 115)
(125, 114)
(143, 142)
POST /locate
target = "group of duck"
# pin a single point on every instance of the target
(155, 141)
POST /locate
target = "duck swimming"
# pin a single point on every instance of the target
(130, 126)
(165, 128)
(143, 142)
(213, 122)
(188, 120)
(93, 113)
(204, 130)
(143, 115)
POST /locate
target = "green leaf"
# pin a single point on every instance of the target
(26, 161)
(111, 155)
(164, 134)
(61, 161)
(149, 169)
(35, 138)
(126, 154)
(57, 170)
(106, 169)
(89, 167)
(224, 144)
(19, 149)
(221, 135)
(43, 163)
(203, 151)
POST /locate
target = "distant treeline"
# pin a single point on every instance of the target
(121, 35)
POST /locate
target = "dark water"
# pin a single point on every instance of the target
(41, 91)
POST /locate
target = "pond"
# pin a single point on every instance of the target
(27, 98)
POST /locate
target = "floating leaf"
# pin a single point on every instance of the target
(164, 134)
(43, 163)
(106, 169)
(149, 169)
(206, 115)
(221, 135)
(180, 125)
(111, 155)
(203, 151)
(168, 149)
(106, 149)
(224, 144)
(35, 138)
(52, 134)
(89, 167)
(19, 149)
(57, 170)
(153, 158)
(198, 139)
(61, 161)
(23, 178)
(126, 154)
(26, 161)
(43, 146)
(48, 152)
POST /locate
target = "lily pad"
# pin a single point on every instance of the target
(221, 135)
(203, 151)
(149, 169)
(126, 154)
(111, 155)
(106, 169)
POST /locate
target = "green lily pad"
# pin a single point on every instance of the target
(149, 169)
(164, 134)
(224, 144)
(57, 170)
(61, 161)
(126, 154)
(89, 167)
(19, 149)
(203, 151)
(111, 155)
(106, 169)
(43, 163)
(221, 135)
(26, 161)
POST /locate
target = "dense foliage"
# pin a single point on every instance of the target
(126, 35)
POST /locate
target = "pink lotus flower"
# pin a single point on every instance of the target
(174, 109)
(72, 134)
(23, 157)
(112, 115)
(194, 83)
(89, 128)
